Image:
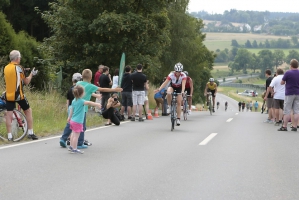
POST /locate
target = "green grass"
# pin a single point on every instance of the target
(224, 72)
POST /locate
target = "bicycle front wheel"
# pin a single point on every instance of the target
(19, 125)
(3, 131)
(185, 110)
(210, 107)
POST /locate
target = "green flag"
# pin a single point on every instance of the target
(121, 68)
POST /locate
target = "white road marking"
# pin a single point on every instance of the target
(208, 139)
(229, 120)
(50, 138)
(237, 113)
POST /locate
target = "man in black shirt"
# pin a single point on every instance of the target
(269, 96)
(105, 82)
(126, 94)
(138, 94)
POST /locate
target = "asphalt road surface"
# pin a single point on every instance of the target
(226, 156)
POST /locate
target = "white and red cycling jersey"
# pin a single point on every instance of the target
(176, 82)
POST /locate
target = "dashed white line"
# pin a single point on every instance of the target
(229, 120)
(208, 139)
(237, 113)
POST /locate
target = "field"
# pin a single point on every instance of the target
(221, 41)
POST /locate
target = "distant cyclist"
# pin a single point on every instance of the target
(189, 89)
(211, 86)
(226, 104)
(218, 103)
(177, 80)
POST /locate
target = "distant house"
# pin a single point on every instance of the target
(247, 26)
(257, 28)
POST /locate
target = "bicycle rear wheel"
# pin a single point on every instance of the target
(185, 110)
(19, 125)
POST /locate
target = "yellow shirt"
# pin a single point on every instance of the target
(14, 75)
(212, 87)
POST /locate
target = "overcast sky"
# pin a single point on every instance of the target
(219, 6)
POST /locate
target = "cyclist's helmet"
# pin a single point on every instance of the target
(178, 67)
(211, 80)
(186, 73)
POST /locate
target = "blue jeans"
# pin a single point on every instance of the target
(67, 132)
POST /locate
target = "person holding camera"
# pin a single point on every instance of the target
(110, 111)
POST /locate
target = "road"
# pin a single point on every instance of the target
(226, 156)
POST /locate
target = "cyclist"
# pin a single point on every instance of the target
(218, 103)
(211, 86)
(177, 80)
(226, 104)
(189, 89)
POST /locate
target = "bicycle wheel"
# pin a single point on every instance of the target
(173, 117)
(19, 125)
(185, 110)
(210, 107)
(3, 131)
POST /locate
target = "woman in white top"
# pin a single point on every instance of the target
(115, 78)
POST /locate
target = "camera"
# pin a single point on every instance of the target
(115, 99)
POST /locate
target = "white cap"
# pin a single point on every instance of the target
(77, 77)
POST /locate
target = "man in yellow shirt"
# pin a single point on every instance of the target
(15, 79)
(211, 86)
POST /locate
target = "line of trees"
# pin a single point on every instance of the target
(279, 43)
(157, 34)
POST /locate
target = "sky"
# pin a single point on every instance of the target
(219, 6)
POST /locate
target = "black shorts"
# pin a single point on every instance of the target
(10, 105)
(126, 99)
(188, 90)
(177, 90)
(212, 91)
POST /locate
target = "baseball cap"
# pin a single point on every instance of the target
(77, 77)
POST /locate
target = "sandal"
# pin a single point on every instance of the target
(282, 129)
(108, 124)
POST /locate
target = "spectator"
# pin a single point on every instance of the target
(96, 82)
(126, 95)
(159, 99)
(138, 80)
(247, 106)
(291, 101)
(109, 112)
(240, 104)
(243, 106)
(115, 78)
(268, 96)
(279, 95)
(250, 106)
(146, 103)
(105, 82)
(256, 105)
(14, 76)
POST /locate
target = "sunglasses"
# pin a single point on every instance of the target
(177, 71)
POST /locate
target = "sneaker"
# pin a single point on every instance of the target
(62, 143)
(122, 118)
(133, 119)
(267, 121)
(189, 112)
(213, 110)
(82, 147)
(129, 118)
(178, 122)
(10, 139)
(33, 137)
(76, 151)
(87, 143)
(70, 148)
(282, 129)
(271, 122)
(168, 109)
(294, 129)
(141, 120)
(68, 142)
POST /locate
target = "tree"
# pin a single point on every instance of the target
(295, 40)
(235, 43)
(265, 61)
(248, 44)
(267, 44)
(278, 56)
(254, 44)
(293, 54)
(242, 60)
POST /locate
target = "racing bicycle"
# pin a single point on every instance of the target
(19, 124)
(173, 113)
